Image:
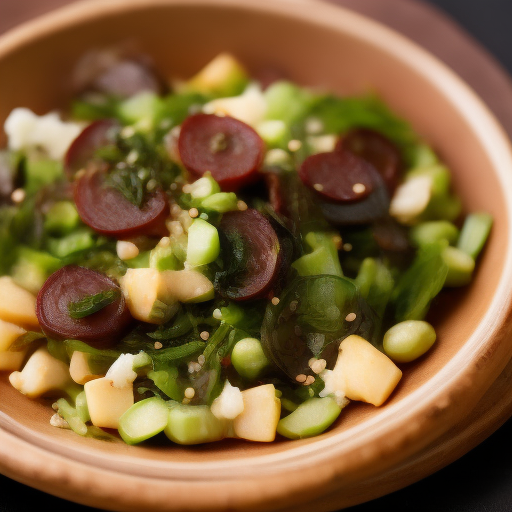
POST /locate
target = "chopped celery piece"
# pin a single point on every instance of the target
(31, 268)
(460, 266)
(61, 218)
(406, 341)
(94, 107)
(474, 233)
(422, 155)
(439, 174)
(433, 231)
(143, 420)
(274, 132)
(447, 207)
(287, 102)
(143, 109)
(221, 202)
(203, 187)
(223, 76)
(176, 107)
(81, 407)
(310, 418)
(322, 260)
(40, 172)
(77, 241)
(194, 424)
(203, 243)
(71, 416)
(91, 304)
(420, 283)
(163, 258)
(248, 358)
(166, 381)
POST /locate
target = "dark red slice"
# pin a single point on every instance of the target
(230, 149)
(71, 284)
(376, 149)
(83, 148)
(107, 211)
(338, 175)
(251, 253)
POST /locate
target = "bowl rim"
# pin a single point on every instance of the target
(485, 341)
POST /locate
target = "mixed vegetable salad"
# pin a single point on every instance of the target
(219, 257)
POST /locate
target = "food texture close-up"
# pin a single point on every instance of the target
(253, 255)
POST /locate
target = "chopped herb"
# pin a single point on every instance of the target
(92, 303)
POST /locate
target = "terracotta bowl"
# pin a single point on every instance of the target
(317, 45)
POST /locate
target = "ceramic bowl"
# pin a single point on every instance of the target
(360, 457)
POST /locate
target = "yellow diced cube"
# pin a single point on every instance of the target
(17, 305)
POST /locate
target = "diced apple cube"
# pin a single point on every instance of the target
(9, 333)
(12, 361)
(79, 368)
(106, 403)
(363, 373)
(41, 375)
(17, 305)
(259, 419)
(188, 285)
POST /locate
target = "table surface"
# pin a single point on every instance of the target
(481, 481)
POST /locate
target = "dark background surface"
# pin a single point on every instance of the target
(480, 481)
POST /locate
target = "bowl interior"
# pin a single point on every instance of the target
(182, 37)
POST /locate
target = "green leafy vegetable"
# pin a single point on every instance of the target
(93, 303)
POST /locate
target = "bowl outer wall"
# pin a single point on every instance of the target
(311, 467)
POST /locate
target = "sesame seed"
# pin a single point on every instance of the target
(158, 345)
(186, 189)
(18, 195)
(318, 186)
(201, 359)
(204, 335)
(175, 210)
(151, 185)
(217, 314)
(358, 188)
(301, 378)
(164, 242)
(185, 401)
(242, 206)
(126, 250)
(204, 216)
(347, 247)
(173, 186)
(132, 157)
(190, 392)
(312, 361)
(55, 406)
(337, 241)
(350, 317)
(193, 212)
(314, 125)
(275, 301)
(294, 145)
(143, 174)
(319, 366)
(309, 380)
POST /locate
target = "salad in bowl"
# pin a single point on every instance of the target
(224, 256)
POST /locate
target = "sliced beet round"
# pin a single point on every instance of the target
(72, 284)
(107, 211)
(230, 149)
(376, 149)
(338, 175)
(372, 208)
(251, 254)
(84, 147)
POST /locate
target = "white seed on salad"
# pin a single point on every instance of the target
(193, 212)
(294, 145)
(347, 247)
(126, 250)
(204, 216)
(313, 126)
(301, 378)
(204, 335)
(242, 206)
(201, 359)
(151, 185)
(337, 241)
(18, 195)
(190, 392)
(158, 345)
(217, 314)
(318, 366)
(58, 421)
(350, 317)
(175, 228)
(358, 188)
(132, 157)
(309, 380)
(165, 241)
(318, 186)
(185, 401)
(275, 301)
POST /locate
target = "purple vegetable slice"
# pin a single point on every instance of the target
(107, 211)
(338, 176)
(377, 150)
(84, 147)
(72, 284)
(251, 255)
(226, 147)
